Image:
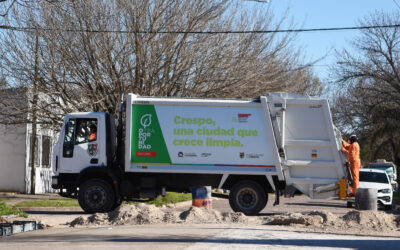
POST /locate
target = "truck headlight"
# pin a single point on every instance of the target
(385, 191)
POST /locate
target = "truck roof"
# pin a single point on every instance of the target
(85, 113)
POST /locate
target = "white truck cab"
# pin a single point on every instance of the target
(77, 150)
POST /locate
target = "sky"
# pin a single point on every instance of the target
(326, 14)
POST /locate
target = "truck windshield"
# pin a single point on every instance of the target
(373, 177)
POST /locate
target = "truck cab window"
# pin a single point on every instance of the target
(69, 132)
(86, 131)
(68, 147)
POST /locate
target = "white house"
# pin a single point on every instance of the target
(15, 171)
(15, 158)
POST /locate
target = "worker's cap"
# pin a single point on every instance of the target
(353, 138)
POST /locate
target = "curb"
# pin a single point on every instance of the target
(7, 229)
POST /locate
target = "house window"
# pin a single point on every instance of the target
(46, 151)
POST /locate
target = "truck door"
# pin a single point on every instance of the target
(83, 144)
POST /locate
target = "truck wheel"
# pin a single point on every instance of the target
(96, 196)
(349, 204)
(247, 197)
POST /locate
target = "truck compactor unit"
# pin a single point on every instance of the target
(276, 143)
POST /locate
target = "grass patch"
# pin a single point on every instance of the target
(170, 198)
(54, 202)
(5, 199)
(9, 210)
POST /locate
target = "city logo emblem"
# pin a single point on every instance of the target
(92, 149)
(243, 117)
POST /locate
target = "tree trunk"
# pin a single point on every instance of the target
(34, 118)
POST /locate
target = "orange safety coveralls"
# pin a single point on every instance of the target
(353, 156)
(92, 136)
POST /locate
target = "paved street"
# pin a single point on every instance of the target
(299, 203)
(189, 237)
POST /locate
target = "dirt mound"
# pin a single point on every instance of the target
(77, 222)
(356, 222)
(201, 215)
(3, 220)
(137, 214)
(295, 218)
(370, 219)
(362, 222)
(236, 217)
(328, 217)
(150, 214)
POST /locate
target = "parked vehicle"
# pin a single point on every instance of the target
(277, 142)
(389, 167)
(378, 179)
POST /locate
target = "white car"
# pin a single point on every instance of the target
(374, 178)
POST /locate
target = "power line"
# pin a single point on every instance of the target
(23, 29)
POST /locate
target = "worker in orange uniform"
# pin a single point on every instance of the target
(352, 149)
(93, 132)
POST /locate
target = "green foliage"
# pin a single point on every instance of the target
(58, 202)
(9, 210)
(170, 198)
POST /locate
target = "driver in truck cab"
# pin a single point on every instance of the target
(352, 150)
(93, 132)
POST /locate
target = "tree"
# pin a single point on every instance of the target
(85, 62)
(369, 100)
(80, 55)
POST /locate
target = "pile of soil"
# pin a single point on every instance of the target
(3, 220)
(361, 222)
(356, 222)
(149, 214)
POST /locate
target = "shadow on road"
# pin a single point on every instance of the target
(316, 204)
(357, 244)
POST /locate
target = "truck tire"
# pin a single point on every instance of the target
(96, 196)
(349, 204)
(247, 197)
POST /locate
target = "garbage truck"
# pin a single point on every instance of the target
(279, 142)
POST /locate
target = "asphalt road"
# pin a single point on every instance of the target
(190, 237)
(299, 203)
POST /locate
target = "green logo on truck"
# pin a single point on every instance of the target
(145, 121)
(148, 144)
